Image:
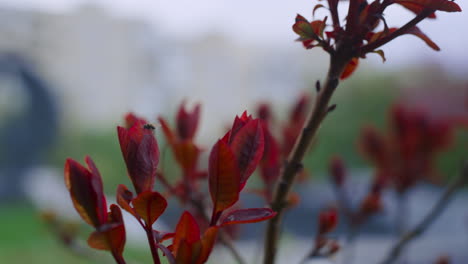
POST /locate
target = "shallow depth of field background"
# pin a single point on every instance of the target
(101, 59)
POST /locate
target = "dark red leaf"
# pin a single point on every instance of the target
(141, 154)
(441, 5)
(243, 216)
(187, 123)
(248, 145)
(224, 177)
(86, 191)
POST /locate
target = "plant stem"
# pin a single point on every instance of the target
(435, 212)
(294, 162)
(151, 241)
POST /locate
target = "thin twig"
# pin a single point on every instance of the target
(435, 212)
(294, 163)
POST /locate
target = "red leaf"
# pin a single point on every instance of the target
(224, 177)
(86, 191)
(328, 220)
(110, 236)
(239, 122)
(337, 171)
(186, 154)
(170, 136)
(251, 215)
(187, 123)
(208, 241)
(248, 145)
(441, 5)
(415, 8)
(149, 206)
(186, 230)
(350, 68)
(418, 33)
(131, 119)
(141, 155)
(124, 198)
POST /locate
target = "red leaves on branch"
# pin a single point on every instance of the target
(406, 154)
(347, 43)
(141, 154)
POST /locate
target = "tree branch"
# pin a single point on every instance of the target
(435, 212)
(294, 162)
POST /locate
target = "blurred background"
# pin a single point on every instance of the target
(70, 70)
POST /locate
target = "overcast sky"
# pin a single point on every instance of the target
(269, 21)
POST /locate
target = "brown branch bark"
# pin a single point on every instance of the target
(425, 223)
(294, 162)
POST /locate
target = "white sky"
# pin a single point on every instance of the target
(269, 21)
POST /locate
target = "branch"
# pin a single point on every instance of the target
(294, 162)
(402, 30)
(435, 212)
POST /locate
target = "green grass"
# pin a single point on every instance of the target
(24, 238)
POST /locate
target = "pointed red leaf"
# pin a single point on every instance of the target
(441, 5)
(239, 122)
(248, 145)
(224, 177)
(170, 136)
(149, 206)
(86, 191)
(350, 68)
(186, 230)
(418, 33)
(141, 154)
(251, 215)
(187, 123)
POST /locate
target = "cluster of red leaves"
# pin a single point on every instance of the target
(232, 160)
(278, 147)
(368, 206)
(406, 154)
(360, 35)
(325, 246)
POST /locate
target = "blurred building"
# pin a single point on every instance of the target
(103, 65)
(94, 60)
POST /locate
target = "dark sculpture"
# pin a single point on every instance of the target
(25, 138)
